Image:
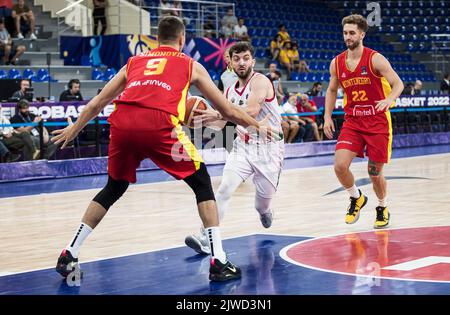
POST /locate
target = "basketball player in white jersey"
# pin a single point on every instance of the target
(255, 93)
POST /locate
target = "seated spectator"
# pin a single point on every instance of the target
(226, 31)
(8, 50)
(305, 105)
(24, 18)
(315, 90)
(177, 10)
(417, 87)
(275, 46)
(275, 76)
(72, 93)
(296, 63)
(21, 94)
(6, 156)
(229, 19)
(14, 140)
(210, 28)
(283, 33)
(284, 59)
(6, 8)
(290, 128)
(290, 108)
(409, 89)
(228, 77)
(99, 15)
(164, 9)
(445, 83)
(23, 115)
(240, 31)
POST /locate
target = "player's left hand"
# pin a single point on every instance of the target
(383, 105)
(65, 135)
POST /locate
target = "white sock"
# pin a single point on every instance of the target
(215, 243)
(74, 246)
(382, 202)
(353, 191)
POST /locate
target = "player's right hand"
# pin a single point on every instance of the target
(328, 127)
(64, 135)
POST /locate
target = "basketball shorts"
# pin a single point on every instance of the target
(370, 133)
(160, 138)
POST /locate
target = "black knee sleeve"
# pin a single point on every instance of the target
(200, 183)
(113, 190)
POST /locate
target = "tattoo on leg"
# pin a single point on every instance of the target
(374, 168)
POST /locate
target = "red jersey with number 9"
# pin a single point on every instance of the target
(158, 79)
(362, 86)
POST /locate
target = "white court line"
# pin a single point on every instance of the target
(283, 254)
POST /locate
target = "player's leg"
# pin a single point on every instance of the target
(265, 191)
(380, 187)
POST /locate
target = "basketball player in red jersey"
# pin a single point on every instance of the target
(146, 124)
(371, 87)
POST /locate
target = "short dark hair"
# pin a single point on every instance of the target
(357, 19)
(23, 103)
(317, 83)
(278, 73)
(169, 29)
(446, 75)
(241, 47)
(72, 82)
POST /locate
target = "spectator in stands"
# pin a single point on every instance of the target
(240, 31)
(409, 89)
(99, 15)
(226, 31)
(275, 76)
(72, 93)
(5, 155)
(164, 9)
(445, 83)
(177, 10)
(290, 108)
(8, 50)
(14, 140)
(294, 57)
(305, 105)
(417, 87)
(290, 128)
(275, 46)
(284, 59)
(228, 77)
(210, 28)
(24, 18)
(315, 90)
(229, 19)
(21, 94)
(23, 115)
(283, 33)
(6, 8)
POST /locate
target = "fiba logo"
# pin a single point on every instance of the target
(138, 44)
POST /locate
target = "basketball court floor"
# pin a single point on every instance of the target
(139, 247)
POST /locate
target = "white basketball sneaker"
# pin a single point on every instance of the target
(198, 243)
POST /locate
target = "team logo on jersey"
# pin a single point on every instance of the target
(233, 100)
(343, 75)
(241, 102)
(363, 70)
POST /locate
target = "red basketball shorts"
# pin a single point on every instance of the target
(370, 133)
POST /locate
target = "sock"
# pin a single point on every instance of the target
(353, 191)
(215, 243)
(382, 202)
(74, 246)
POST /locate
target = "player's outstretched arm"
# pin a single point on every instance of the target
(330, 101)
(382, 66)
(111, 90)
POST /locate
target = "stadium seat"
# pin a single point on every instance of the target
(97, 74)
(29, 74)
(3, 74)
(14, 74)
(109, 74)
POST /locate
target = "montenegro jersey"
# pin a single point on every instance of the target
(159, 80)
(362, 86)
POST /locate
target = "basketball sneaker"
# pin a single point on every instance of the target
(66, 263)
(198, 243)
(266, 219)
(223, 272)
(382, 219)
(356, 204)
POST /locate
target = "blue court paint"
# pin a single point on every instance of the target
(179, 271)
(98, 181)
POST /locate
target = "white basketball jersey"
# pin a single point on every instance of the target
(239, 97)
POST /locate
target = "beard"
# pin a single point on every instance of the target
(243, 75)
(354, 45)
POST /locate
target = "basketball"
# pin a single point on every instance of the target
(193, 103)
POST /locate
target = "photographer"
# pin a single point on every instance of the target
(23, 93)
(72, 93)
(23, 115)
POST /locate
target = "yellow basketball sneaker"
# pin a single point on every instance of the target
(356, 204)
(382, 219)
